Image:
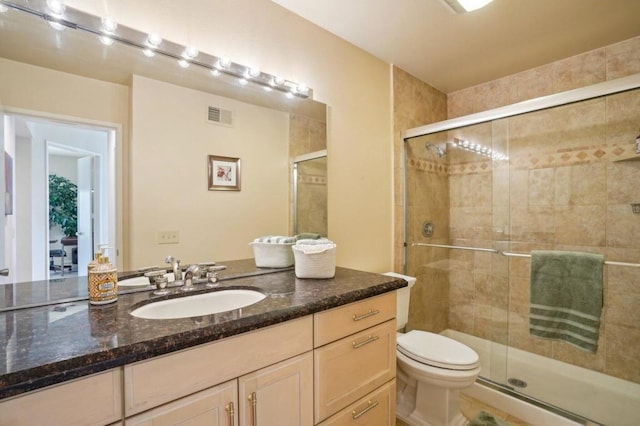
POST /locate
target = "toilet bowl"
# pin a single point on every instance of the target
(431, 370)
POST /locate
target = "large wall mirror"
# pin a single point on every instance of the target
(130, 137)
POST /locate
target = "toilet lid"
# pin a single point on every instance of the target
(437, 350)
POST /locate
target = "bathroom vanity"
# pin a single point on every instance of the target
(312, 352)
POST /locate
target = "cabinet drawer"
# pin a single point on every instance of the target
(350, 368)
(93, 400)
(337, 323)
(376, 409)
(159, 380)
(213, 406)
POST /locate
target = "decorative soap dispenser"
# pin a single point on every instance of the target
(92, 264)
(103, 282)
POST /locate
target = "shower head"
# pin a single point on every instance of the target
(440, 149)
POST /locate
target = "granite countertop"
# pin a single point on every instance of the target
(53, 343)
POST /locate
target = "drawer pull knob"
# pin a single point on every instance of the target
(370, 406)
(370, 313)
(365, 342)
(230, 412)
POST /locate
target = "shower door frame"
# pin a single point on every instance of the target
(605, 88)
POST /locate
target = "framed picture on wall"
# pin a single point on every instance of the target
(224, 173)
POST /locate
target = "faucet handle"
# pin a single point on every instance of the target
(161, 286)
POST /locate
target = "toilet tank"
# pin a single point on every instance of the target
(402, 299)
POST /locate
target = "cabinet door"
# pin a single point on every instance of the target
(352, 367)
(215, 406)
(279, 395)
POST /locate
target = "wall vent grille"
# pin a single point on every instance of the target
(220, 116)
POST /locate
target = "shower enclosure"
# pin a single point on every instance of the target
(309, 193)
(482, 191)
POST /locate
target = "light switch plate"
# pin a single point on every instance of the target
(169, 237)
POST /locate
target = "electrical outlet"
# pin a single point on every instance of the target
(169, 237)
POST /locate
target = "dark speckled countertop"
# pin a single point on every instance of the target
(49, 344)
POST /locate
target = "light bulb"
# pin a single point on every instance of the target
(253, 72)
(3, 8)
(190, 52)
(471, 5)
(109, 25)
(107, 41)
(223, 62)
(243, 81)
(302, 88)
(154, 40)
(149, 53)
(215, 73)
(278, 81)
(183, 63)
(267, 89)
(289, 95)
(56, 7)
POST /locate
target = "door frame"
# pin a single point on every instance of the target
(115, 167)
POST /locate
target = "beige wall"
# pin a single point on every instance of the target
(170, 143)
(354, 84)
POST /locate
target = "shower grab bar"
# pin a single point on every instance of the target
(511, 254)
(456, 247)
(607, 262)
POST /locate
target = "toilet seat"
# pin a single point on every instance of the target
(437, 350)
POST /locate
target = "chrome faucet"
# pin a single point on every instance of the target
(188, 277)
(175, 266)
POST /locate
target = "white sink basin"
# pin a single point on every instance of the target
(142, 280)
(198, 305)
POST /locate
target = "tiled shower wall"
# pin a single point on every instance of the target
(561, 189)
(308, 135)
(415, 104)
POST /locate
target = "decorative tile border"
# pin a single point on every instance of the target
(560, 158)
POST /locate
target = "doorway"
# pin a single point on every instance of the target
(71, 156)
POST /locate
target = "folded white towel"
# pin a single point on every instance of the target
(275, 239)
(314, 246)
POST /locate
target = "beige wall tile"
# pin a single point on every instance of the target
(623, 58)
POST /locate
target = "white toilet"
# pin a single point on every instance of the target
(431, 371)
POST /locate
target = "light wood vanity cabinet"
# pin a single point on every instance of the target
(215, 406)
(355, 363)
(268, 377)
(92, 400)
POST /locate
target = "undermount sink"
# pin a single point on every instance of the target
(142, 280)
(199, 305)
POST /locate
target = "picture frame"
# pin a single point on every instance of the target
(224, 173)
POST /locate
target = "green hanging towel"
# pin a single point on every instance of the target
(566, 297)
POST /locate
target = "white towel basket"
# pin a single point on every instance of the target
(315, 265)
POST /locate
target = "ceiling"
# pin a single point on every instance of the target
(455, 51)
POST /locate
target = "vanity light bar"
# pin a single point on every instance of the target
(76, 19)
